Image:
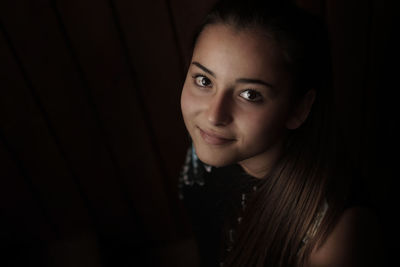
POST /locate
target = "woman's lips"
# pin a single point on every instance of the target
(214, 139)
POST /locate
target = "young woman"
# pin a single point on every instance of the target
(260, 181)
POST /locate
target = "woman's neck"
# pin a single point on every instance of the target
(260, 165)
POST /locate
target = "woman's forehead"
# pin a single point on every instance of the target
(228, 50)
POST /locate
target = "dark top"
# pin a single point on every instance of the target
(214, 198)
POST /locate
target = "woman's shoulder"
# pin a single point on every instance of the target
(354, 241)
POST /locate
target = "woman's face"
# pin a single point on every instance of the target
(236, 99)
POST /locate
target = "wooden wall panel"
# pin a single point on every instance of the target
(316, 7)
(25, 227)
(26, 132)
(379, 152)
(23, 218)
(350, 26)
(94, 37)
(153, 52)
(65, 101)
(187, 16)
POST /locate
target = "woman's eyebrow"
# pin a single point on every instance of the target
(257, 81)
(204, 68)
(240, 80)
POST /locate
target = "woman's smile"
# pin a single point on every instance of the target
(213, 138)
(235, 100)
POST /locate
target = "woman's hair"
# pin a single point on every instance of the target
(284, 207)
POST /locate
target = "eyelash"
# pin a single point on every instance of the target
(196, 76)
(259, 95)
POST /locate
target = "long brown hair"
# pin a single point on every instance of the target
(283, 209)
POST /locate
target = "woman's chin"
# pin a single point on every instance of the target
(216, 160)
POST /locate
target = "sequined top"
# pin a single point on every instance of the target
(214, 199)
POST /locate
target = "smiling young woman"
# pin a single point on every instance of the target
(260, 180)
(235, 101)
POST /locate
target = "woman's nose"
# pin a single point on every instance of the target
(219, 111)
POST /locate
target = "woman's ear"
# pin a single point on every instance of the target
(301, 111)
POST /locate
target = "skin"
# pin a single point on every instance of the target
(354, 242)
(236, 101)
(233, 119)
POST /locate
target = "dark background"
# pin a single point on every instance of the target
(91, 136)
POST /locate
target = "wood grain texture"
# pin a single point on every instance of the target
(65, 98)
(26, 131)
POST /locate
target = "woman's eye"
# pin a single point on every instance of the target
(251, 95)
(202, 81)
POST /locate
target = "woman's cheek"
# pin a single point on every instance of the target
(188, 102)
